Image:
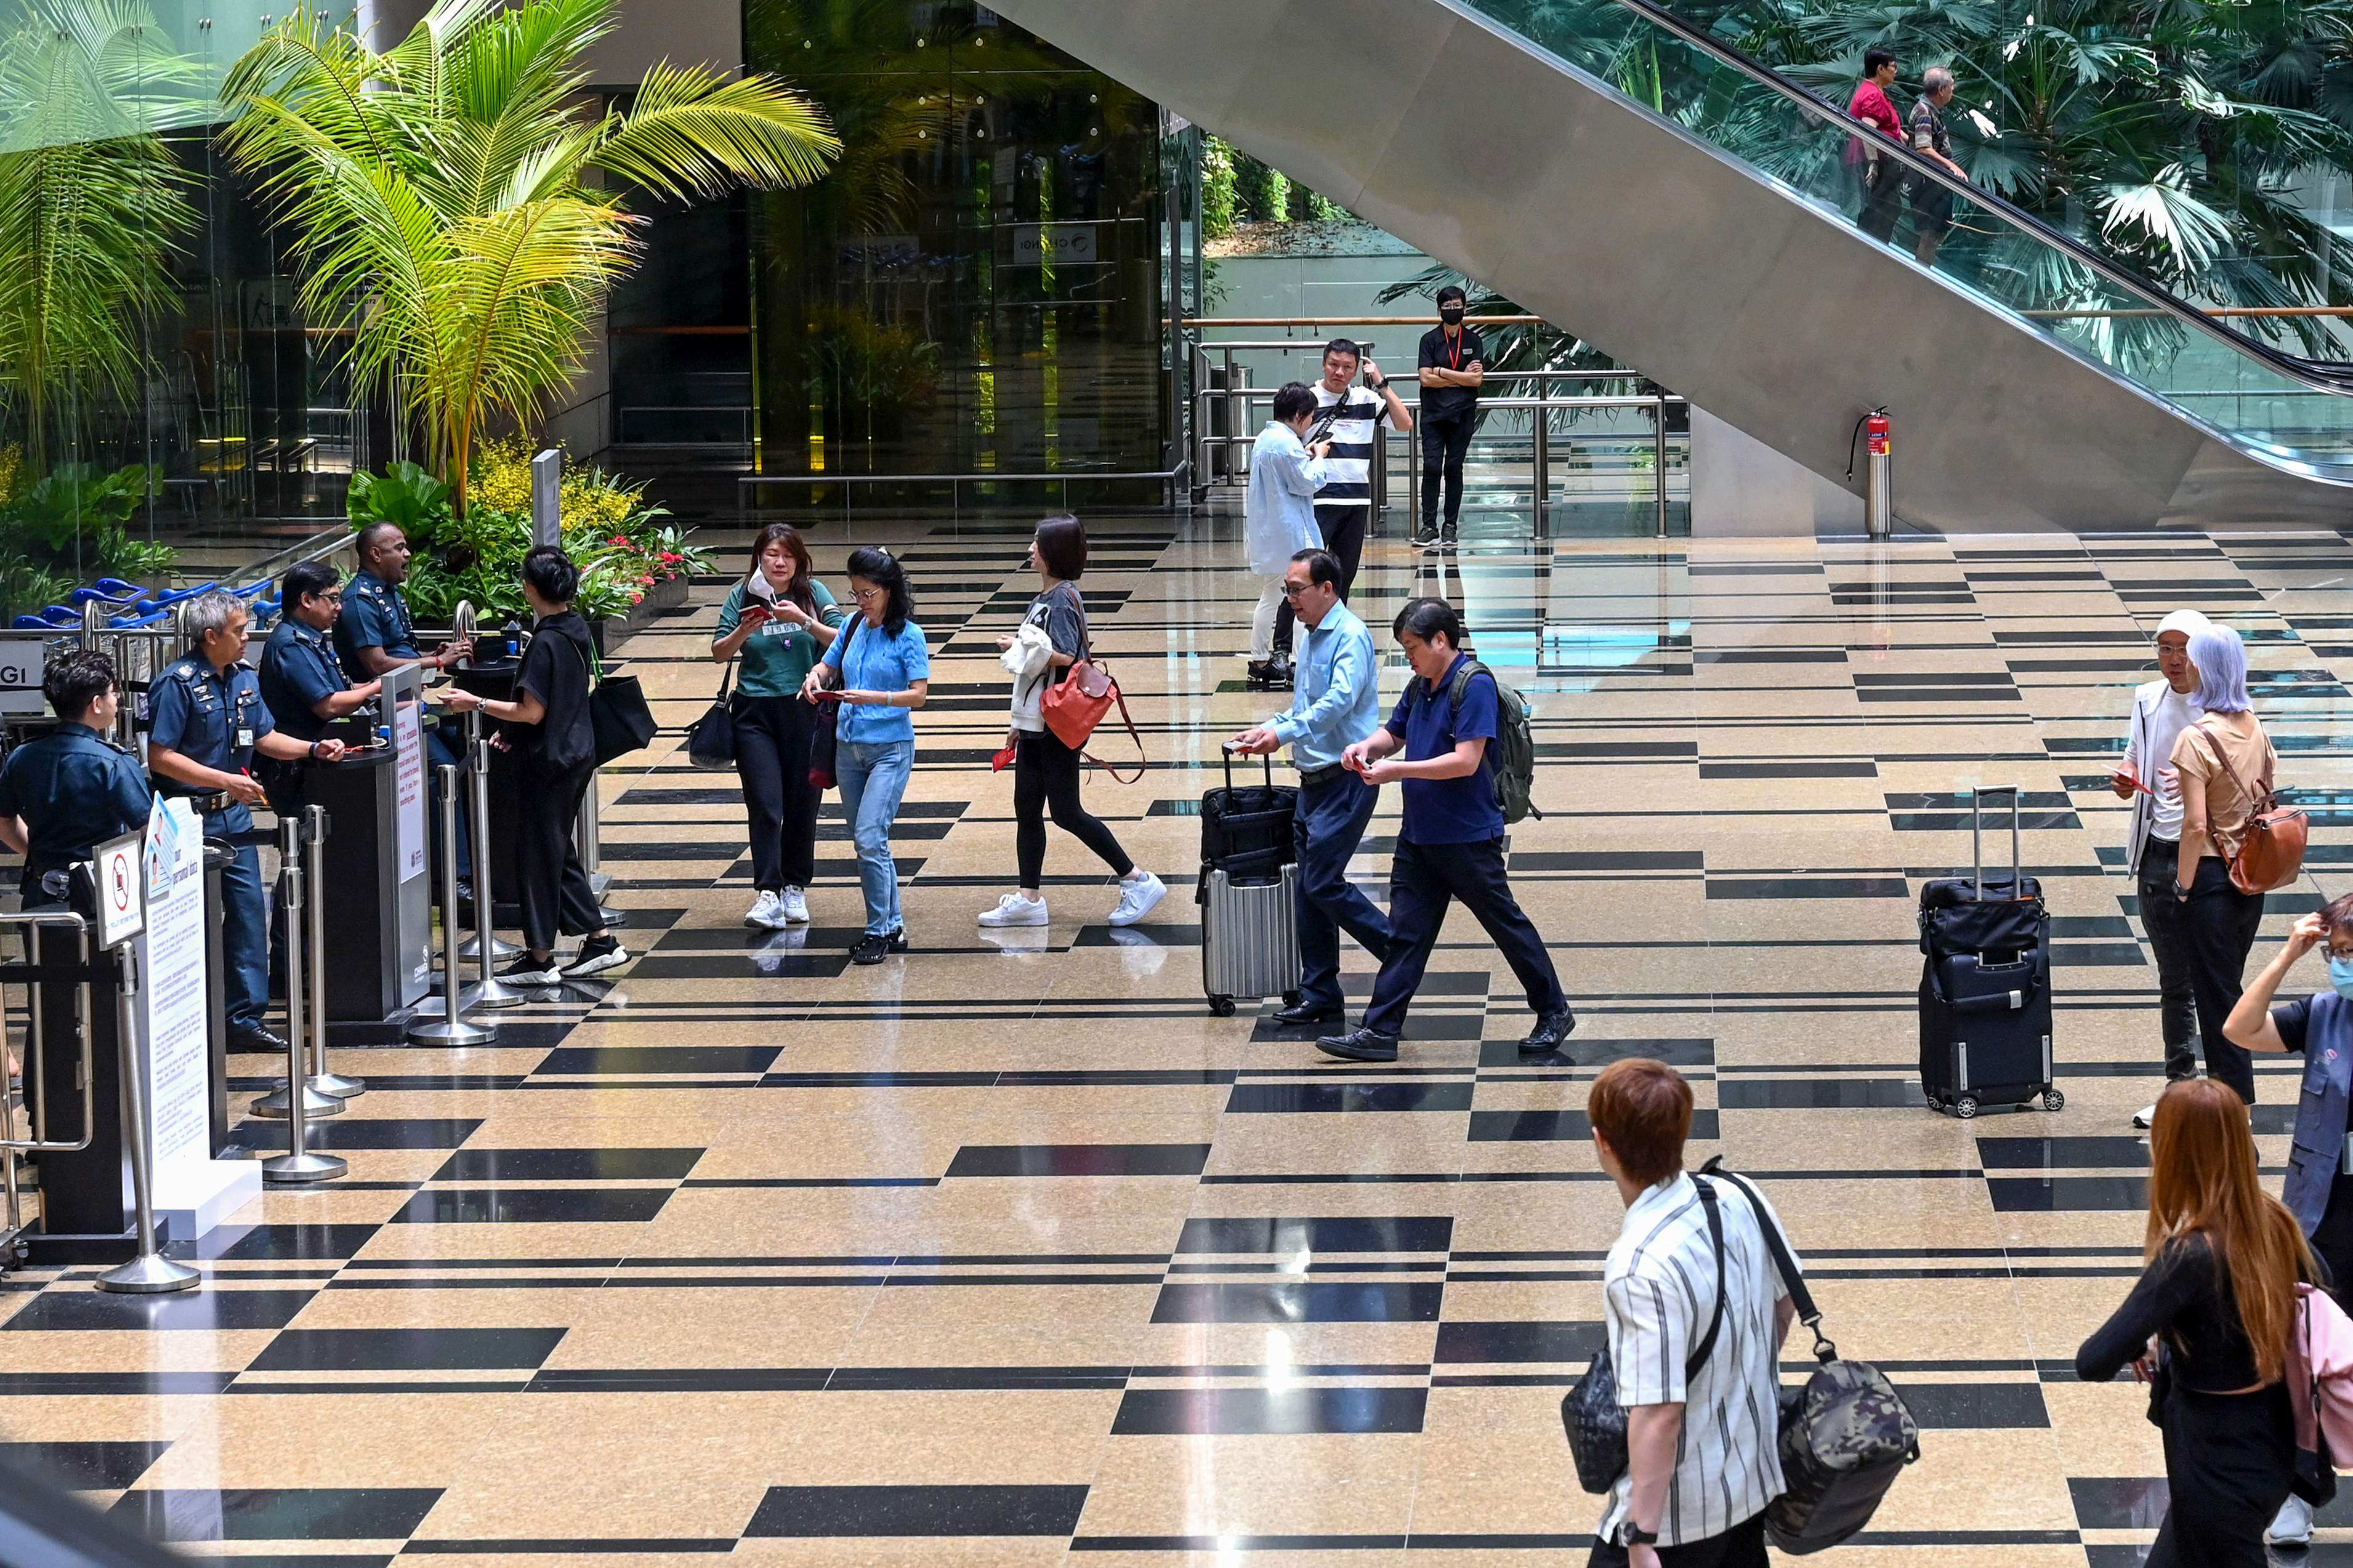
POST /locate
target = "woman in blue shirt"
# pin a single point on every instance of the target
(879, 671)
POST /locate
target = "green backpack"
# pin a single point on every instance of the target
(1514, 745)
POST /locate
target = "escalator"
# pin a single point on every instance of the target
(1623, 174)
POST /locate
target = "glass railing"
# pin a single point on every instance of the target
(2071, 286)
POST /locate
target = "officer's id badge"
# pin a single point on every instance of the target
(244, 739)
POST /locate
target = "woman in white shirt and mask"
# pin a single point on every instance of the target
(2161, 709)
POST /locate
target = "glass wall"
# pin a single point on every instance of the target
(979, 288)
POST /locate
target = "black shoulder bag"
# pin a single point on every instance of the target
(1590, 1414)
(712, 743)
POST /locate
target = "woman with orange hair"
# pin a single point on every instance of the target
(2208, 1325)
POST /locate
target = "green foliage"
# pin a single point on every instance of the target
(1219, 202)
(70, 526)
(1260, 194)
(1317, 207)
(404, 494)
(864, 363)
(441, 197)
(26, 587)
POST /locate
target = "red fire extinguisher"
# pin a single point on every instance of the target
(1876, 433)
(1878, 445)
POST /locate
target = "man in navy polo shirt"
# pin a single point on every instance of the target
(1451, 845)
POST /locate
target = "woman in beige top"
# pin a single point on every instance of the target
(2217, 763)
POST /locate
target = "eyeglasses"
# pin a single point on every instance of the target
(862, 594)
(1292, 590)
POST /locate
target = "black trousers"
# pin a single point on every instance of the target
(1046, 778)
(1328, 823)
(1882, 200)
(551, 886)
(2227, 1457)
(1741, 1546)
(1344, 535)
(2168, 938)
(1444, 439)
(772, 758)
(1284, 616)
(2218, 923)
(1423, 881)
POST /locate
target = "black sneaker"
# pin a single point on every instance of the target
(1552, 1031)
(529, 971)
(899, 941)
(596, 955)
(1426, 539)
(870, 948)
(1360, 1045)
(1447, 541)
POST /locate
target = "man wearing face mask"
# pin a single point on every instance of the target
(1453, 368)
(2161, 709)
(2320, 1189)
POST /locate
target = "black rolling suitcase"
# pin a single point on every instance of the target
(1985, 983)
(1250, 941)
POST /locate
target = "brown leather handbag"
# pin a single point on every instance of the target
(2270, 853)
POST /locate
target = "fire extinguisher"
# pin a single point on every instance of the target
(1878, 501)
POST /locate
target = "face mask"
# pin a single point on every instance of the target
(1450, 314)
(2340, 974)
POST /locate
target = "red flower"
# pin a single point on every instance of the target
(620, 538)
(637, 598)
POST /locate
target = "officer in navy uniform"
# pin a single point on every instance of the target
(302, 680)
(64, 793)
(374, 636)
(206, 722)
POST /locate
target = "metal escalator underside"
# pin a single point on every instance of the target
(1461, 137)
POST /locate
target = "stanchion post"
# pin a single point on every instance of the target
(489, 991)
(316, 1100)
(298, 1166)
(151, 1273)
(333, 1085)
(1659, 452)
(452, 1027)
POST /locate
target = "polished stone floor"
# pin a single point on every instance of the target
(1009, 1249)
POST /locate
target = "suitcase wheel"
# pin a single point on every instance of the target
(2053, 1101)
(1965, 1106)
(1223, 1006)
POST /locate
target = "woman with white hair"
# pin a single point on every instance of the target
(2221, 763)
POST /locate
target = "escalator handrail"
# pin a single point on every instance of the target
(2320, 376)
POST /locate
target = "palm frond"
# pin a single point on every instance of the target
(691, 133)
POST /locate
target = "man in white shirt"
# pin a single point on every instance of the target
(1345, 414)
(2161, 709)
(1702, 1442)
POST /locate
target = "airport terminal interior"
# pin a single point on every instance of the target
(1015, 1247)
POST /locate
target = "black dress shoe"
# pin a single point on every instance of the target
(1552, 1031)
(1360, 1045)
(255, 1038)
(1308, 1012)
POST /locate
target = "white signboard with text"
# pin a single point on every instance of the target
(408, 790)
(24, 660)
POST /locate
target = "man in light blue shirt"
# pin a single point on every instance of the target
(1337, 704)
(1279, 522)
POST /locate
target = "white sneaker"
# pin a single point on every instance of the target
(1136, 897)
(2293, 1525)
(793, 907)
(1013, 909)
(766, 911)
(2145, 1116)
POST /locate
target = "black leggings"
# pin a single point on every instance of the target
(772, 756)
(551, 887)
(1046, 778)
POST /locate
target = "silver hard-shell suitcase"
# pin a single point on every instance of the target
(1249, 941)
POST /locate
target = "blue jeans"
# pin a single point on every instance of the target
(1329, 822)
(874, 777)
(244, 925)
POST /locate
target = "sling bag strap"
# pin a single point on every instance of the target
(1706, 1345)
(2260, 799)
(1793, 1280)
(1143, 760)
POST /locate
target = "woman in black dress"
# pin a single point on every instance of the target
(548, 725)
(2208, 1325)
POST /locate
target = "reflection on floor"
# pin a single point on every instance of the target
(1010, 1249)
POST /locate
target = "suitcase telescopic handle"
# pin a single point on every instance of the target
(1976, 836)
(1226, 751)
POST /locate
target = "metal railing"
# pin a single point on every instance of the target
(1171, 481)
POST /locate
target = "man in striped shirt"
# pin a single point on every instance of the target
(1702, 1441)
(1345, 414)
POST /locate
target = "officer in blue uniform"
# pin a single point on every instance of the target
(302, 680)
(206, 723)
(65, 793)
(374, 636)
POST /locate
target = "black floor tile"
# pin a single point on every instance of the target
(533, 1206)
(1557, 1126)
(566, 1164)
(94, 1467)
(809, 1512)
(1166, 1412)
(1301, 1301)
(1941, 1405)
(2042, 1194)
(1816, 1094)
(1411, 1232)
(302, 1514)
(393, 1350)
(1079, 1160)
(762, 964)
(208, 1307)
(2062, 1154)
(636, 1061)
(1474, 1343)
(352, 1131)
(1278, 1098)
(226, 1244)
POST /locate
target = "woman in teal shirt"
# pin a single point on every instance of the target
(882, 672)
(779, 620)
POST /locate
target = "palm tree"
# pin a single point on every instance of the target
(440, 198)
(91, 205)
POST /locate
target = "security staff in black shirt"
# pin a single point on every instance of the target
(1453, 368)
(65, 793)
(302, 681)
(207, 723)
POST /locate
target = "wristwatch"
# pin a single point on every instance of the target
(1633, 1534)
(1382, 384)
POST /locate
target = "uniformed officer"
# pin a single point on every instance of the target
(65, 793)
(207, 720)
(302, 681)
(374, 636)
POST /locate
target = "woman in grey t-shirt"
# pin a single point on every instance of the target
(1045, 770)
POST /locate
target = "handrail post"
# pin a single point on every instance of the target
(150, 1273)
(298, 1166)
(488, 991)
(1541, 502)
(1659, 451)
(452, 1027)
(314, 872)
